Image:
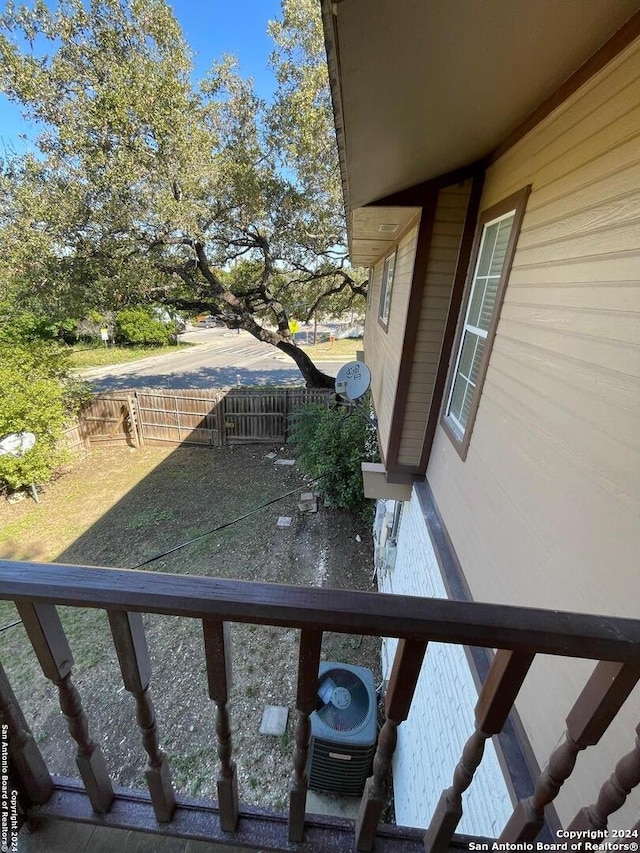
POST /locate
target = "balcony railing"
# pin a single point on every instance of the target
(519, 634)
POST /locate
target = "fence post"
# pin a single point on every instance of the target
(136, 417)
(286, 415)
(134, 422)
(222, 420)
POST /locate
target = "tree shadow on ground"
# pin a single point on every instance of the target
(206, 377)
(190, 491)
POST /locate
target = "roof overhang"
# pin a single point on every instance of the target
(424, 87)
(375, 231)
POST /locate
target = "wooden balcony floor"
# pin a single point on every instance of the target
(48, 835)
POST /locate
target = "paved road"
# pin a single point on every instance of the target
(222, 358)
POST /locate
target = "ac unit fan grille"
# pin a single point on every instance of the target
(345, 719)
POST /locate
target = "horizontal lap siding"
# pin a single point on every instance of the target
(383, 348)
(544, 511)
(443, 254)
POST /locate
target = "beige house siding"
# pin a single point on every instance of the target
(383, 348)
(545, 509)
(450, 213)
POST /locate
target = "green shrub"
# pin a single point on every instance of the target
(33, 398)
(138, 326)
(331, 443)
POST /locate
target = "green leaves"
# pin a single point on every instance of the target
(32, 399)
(139, 326)
(136, 166)
(331, 444)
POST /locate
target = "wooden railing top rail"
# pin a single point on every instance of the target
(368, 613)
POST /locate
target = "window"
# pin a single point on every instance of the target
(372, 273)
(385, 290)
(494, 249)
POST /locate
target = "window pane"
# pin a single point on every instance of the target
(475, 303)
(457, 399)
(387, 284)
(488, 278)
(488, 303)
(501, 242)
(466, 356)
(486, 249)
(466, 377)
(477, 358)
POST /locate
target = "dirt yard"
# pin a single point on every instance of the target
(118, 507)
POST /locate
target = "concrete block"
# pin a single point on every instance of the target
(274, 720)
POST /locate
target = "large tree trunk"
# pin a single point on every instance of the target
(238, 314)
(313, 377)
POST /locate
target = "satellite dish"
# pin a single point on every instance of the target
(353, 380)
(17, 443)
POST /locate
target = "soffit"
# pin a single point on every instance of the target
(422, 87)
(375, 231)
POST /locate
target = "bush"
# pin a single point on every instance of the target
(33, 398)
(138, 326)
(331, 443)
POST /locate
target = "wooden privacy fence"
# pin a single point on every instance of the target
(74, 437)
(207, 417)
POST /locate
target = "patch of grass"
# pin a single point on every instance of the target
(340, 348)
(286, 743)
(187, 768)
(105, 356)
(197, 783)
(280, 803)
(146, 517)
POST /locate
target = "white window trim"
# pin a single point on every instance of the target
(515, 206)
(468, 327)
(387, 287)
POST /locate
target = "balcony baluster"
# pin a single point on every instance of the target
(219, 677)
(614, 792)
(496, 699)
(43, 626)
(25, 757)
(402, 684)
(601, 699)
(308, 665)
(135, 664)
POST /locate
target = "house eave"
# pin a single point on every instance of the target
(385, 59)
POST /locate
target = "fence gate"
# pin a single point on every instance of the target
(110, 419)
(180, 417)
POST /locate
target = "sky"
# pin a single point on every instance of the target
(212, 28)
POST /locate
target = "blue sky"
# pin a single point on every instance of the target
(212, 28)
